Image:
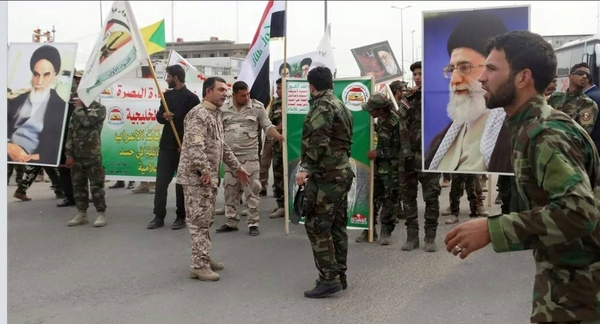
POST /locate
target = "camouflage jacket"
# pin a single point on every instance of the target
(276, 117)
(556, 170)
(84, 139)
(243, 128)
(388, 144)
(203, 146)
(326, 135)
(410, 131)
(578, 106)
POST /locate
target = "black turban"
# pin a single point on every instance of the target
(306, 61)
(474, 30)
(46, 52)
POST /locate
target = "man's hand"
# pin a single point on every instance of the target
(301, 178)
(280, 138)
(17, 153)
(168, 116)
(468, 237)
(372, 155)
(205, 179)
(243, 177)
(69, 162)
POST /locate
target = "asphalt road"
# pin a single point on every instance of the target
(124, 273)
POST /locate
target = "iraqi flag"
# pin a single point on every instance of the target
(255, 69)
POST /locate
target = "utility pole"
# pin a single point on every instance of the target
(401, 36)
(325, 2)
(412, 47)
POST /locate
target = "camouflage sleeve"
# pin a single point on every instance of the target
(392, 150)
(229, 158)
(588, 112)
(320, 124)
(95, 115)
(406, 151)
(553, 100)
(69, 142)
(558, 166)
(194, 138)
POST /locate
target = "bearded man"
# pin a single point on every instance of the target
(36, 117)
(476, 139)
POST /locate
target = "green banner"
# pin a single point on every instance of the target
(130, 139)
(353, 92)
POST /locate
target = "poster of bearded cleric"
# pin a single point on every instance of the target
(461, 135)
(39, 89)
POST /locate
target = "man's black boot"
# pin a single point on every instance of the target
(323, 290)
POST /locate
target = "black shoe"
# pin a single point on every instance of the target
(253, 231)
(66, 203)
(117, 185)
(131, 185)
(322, 290)
(224, 229)
(60, 195)
(178, 224)
(156, 223)
(343, 281)
(263, 193)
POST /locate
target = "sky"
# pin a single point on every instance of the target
(353, 23)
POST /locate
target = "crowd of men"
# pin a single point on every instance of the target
(549, 206)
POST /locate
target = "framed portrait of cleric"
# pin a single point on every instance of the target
(377, 60)
(40, 76)
(461, 135)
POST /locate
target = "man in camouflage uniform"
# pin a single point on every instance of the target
(399, 89)
(386, 164)
(327, 176)
(471, 183)
(19, 169)
(556, 167)
(202, 150)
(276, 117)
(84, 158)
(242, 118)
(574, 102)
(411, 175)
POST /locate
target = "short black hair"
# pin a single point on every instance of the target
(239, 85)
(209, 83)
(395, 86)
(278, 81)
(320, 78)
(177, 71)
(414, 66)
(527, 50)
(579, 65)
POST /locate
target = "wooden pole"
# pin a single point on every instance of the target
(284, 124)
(162, 98)
(490, 179)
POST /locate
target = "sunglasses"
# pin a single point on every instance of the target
(582, 73)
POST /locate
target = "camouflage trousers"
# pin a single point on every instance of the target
(265, 162)
(88, 170)
(460, 183)
(386, 192)
(233, 195)
(32, 172)
(199, 211)
(20, 169)
(278, 175)
(325, 207)
(430, 183)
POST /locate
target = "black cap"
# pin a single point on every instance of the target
(46, 52)
(474, 30)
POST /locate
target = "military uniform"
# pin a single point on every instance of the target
(578, 106)
(325, 154)
(241, 135)
(276, 117)
(19, 169)
(84, 146)
(556, 170)
(387, 187)
(411, 175)
(202, 149)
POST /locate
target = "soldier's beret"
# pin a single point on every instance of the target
(46, 52)
(377, 101)
(474, 30)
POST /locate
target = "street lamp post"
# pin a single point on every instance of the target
(419, 51)
(412, 47)
(401, 36)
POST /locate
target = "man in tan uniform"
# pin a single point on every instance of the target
(242, 119)
(202, 150)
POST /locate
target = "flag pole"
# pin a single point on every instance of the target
(162, 98)
(284, 124)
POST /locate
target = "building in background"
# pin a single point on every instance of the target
(559, 40)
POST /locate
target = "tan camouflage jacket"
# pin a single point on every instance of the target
(203, 146)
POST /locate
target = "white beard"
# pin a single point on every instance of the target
(37, 98)
(466, 108)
